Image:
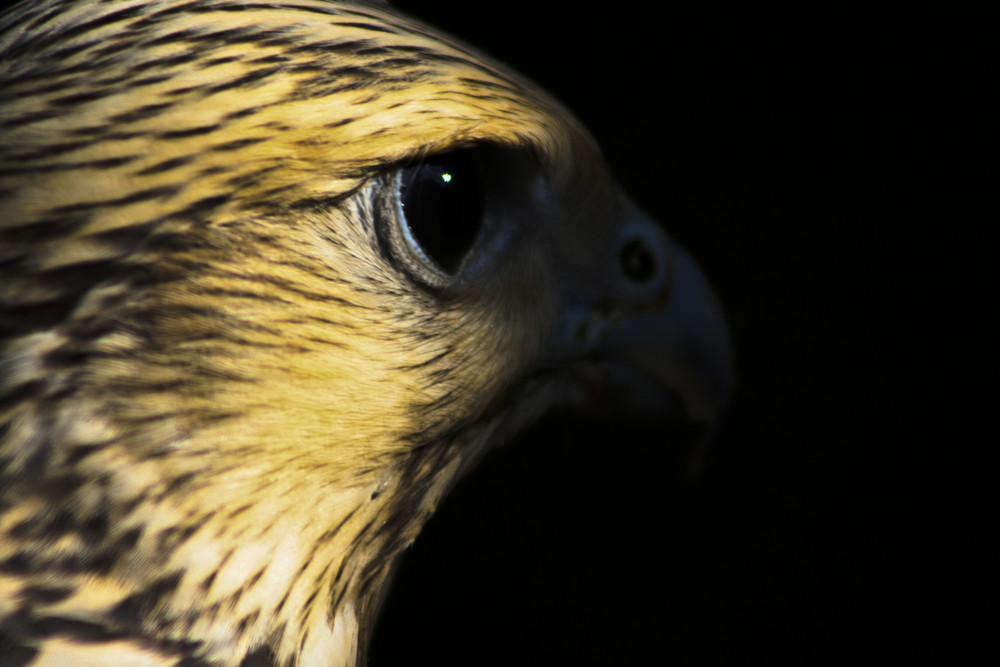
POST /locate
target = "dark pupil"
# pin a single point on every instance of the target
(443, 205)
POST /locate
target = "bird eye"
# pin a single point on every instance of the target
(441, 205)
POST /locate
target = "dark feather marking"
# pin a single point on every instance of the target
(308, 604)
(273, 59)
(201, 208)
(369, 27)
(51, 150)
(238, 294)
(283, 601)
(81, 452)
(23, 392)
(236, 512)
(37, 42)
(449, 350)
(20, 563)
(22, 320)
(159, 192)
(142, 113)
(365, 101)
(100, 165)
(77, 99)
(176, 485)
(322, 341)
(165, 62)
(237, 144)
(242, 113)
(325, 48)
(127, 541)
(247, 620)
(319, 203)
(42, 18)
(322, 575)
(29, 118)
(106, 20)
(219, 60)
(103, 133)
(94, 530)
(254, 579)
(341, 591)
(47, 594)
(340, 123)
(509, 90)
(46, 228)
(190, 132)
(248, 80)
(166, 165)
(150, 80)
(175, 37)
(80, 631)
(15, 654)
(139, 605)
(206, 583)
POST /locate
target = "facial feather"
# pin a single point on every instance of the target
(226, 401)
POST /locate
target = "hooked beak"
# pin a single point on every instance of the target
(665, 351)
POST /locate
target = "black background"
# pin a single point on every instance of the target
(799, 157)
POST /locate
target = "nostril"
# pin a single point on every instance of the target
(638, 261)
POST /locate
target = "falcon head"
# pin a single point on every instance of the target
(272, 276)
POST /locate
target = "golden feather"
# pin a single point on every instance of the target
(234, 382)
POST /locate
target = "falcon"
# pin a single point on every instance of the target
(273, 276)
